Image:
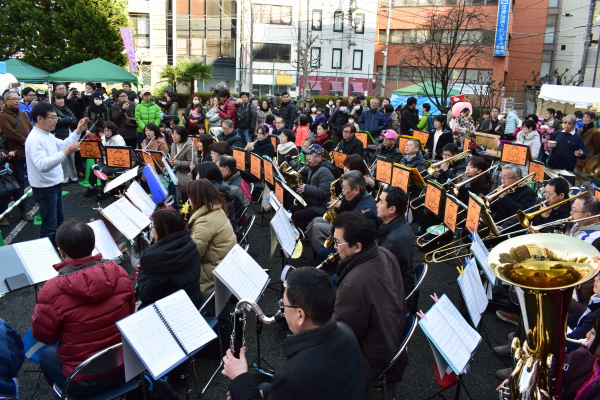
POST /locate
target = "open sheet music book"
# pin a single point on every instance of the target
(454, 339)
(38, 258)
(126, 217)
(121, 179)
(161, 336)
(285, 231)
(140, 198)
(105, 244)
(481, 255)
(473, 292)
(239, 274)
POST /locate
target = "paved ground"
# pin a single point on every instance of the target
(418, 382)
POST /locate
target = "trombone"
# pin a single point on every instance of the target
(444, 186)
(432, 167)
(455, 189)
(490, 198)
(525, 219)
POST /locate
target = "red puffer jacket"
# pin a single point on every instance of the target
(80, 307)
(228, 111)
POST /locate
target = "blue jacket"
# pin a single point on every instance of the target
(11, 359)
(372, 121)
(563, 157)
(580, 325)
(26, 108)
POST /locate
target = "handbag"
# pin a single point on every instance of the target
(7, 181)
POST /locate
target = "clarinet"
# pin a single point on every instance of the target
(239, 323)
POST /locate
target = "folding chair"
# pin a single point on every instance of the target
(103, 361)
(381, 380)
(420, 272)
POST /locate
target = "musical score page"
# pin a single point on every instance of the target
(121, 179)
(481, 255)
(38, 257)
(185, 321)
(105, 244)
(286, 235)
(140, 198)
(473, 291)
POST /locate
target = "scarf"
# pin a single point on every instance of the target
(284, 148)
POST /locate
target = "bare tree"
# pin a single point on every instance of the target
(563, 78)
(534, 86)
(450, 40)
(487, 91)
(308, 63)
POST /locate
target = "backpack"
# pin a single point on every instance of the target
(430, 125)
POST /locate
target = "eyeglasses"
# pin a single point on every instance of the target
(567, 123)
(123, 95)
(282, 305)
(13, 99)
(338, 244)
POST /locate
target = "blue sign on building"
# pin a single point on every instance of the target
(501, 39)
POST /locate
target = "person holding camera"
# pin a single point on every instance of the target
(122, 113)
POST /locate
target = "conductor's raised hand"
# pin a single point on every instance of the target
(234, 367)
(71, 148)
(82, 125)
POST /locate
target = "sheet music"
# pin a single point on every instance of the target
(450, 332)
(185, 321)
(285, 232)
(481, 255)
(38, 257)
(120, 220)
(241, 275)
(292, 192)
(105, 244)
(134, 214)
(140, 198)
(151, 341)
(121, 179)
(473, 291)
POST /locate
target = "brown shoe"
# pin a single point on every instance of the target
(4, 222)
(81, 174)
(504, 373)
(27, 218)
(508, 317)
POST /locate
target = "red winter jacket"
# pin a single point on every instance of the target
(228, 111)
(80, 307)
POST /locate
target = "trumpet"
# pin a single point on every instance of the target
(432, 167)
(239, 323)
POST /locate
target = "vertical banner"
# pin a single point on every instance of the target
(501, 39)
(127, 35)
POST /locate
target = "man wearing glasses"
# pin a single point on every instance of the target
(15, 125)
(370, 296)
(45, 154)
(586, 206)
(322, 355)
(568, 148)
(350, 144)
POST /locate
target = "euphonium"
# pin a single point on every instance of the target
(547, 267)
(239, 323)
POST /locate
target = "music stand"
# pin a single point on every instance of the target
(119, 157)
(92, 149)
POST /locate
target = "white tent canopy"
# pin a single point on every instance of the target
(578, 95)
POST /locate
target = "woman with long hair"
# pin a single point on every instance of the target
(439, 136)
(287, 146)
(65, 123)
(354, 162)
(209, 228)
(170, 106)
(261, 114)
(170, 264)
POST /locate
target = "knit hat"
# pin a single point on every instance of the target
(97, 94)
(390, 134)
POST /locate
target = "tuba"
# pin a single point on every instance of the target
(239, 323)
(547, 267)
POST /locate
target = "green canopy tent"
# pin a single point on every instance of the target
(96, 70)
(433, 89)
(25, 72)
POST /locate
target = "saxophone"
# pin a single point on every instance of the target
(239, 323)
(332, 212)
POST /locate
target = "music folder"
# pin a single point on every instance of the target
(162, 335)
(128, 219)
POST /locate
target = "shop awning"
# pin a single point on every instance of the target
(315, 85)
(358, 87)
(337, 86)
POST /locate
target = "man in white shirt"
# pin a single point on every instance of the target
(45, 153)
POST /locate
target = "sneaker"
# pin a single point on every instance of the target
(4, 222)
(504, 373)
(27, 218)
(508, 317)
(502, 351)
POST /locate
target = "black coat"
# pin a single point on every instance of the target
(171, 264)
(397, 237)
(556, 213)
(233, 139)
(390, 153)
(246, 117)
(352, 146)
(288, 112)
(321, 364)
(338, 119)
(521, 199)
(408, 121)
(264, 148)
(444, 139)
(457, 168)
(66, 122)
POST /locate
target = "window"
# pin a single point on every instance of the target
(338, 21)
(404, 36)
(272, 52)
(315, 57)
(271, 14)
(317, 17)
(359, 23)
(450, 3)
(336, 61)
(358, 59)
(141, 30)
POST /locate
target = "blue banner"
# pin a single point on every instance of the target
(501, 39)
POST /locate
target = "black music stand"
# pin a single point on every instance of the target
(460, 385)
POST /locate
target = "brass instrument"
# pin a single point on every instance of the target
(332, 212)
(488, 199)
(444, 186)
(547, 267)
(525, 219)
(333, 257)
(432, 167)
(455, 188)
(292, 177)
(329, 241)
(239, 323)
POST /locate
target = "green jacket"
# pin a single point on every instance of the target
(422, 125)
(146, 113)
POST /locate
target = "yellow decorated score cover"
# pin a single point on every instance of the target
(268, 170)
(422, 136)
(279, 192)
(146, 158)
(255, 165)
(433, 197)
(384, 171)
(117, 157)
(362, 136)
(240, 159)
(473, 215)
(597, 193)
(450, 214)
(466, 144)
(538, 168)
(90, 149)
(400, 177)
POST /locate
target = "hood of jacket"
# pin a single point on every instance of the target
(171, 254)
(148, 104)
(88, 278)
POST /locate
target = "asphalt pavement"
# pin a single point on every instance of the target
(419, 380)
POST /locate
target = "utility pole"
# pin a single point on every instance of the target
(385, 50)
(588, 38)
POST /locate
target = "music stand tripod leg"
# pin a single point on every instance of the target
(256, 364)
